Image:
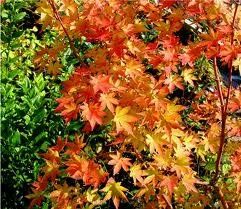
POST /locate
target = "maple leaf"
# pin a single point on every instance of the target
(108, 100)
(54, 68)
(37, 198)
(169, 55)
(137, 173)
(133, 68)
(235, 102)
(170, 182)
(51, 170)
(51, 155)
(76, 146)
(229, 52)
(148, 191)
(40, 184)
(154, 142)
(76, 167)
(188, 180)
(171, 117)
(69, 110)
(119, 162)
(94, 175)
(69, 6)
(93, 113)
(60, 145)
(123, 119)
(101, 83)
(88, 171)
(174, 81)
(235, 160)
(235, 126)
(153, 176)
(188, 76)
(61, 195)
(163, 160)
(115, 191)
(182, 162)
(211, 39)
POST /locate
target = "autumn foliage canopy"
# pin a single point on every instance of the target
(144, 84)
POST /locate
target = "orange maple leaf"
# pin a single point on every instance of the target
(101, 83)
(76, 146)
(229, 52)
(119, 162)
(108, 100)
(170, 182)
(93, 113)
(68, 108)
(87, 170)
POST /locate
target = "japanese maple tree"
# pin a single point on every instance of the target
(141, 80)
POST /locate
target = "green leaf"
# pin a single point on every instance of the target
(40, 136)
(15, 139)
(20, 16)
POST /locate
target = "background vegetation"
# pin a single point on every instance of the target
(30, 84)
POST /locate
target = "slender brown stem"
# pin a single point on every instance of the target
(57, 16)
(223, 122)
(221, 197)
(224, 108)
(169, 205)
(218, 83)
(230, 64)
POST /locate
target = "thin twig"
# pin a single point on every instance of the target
(224, 106)
(223, 122)
(169, 205)
(230, 65)
(221, 197)
(218, 83)
(57, 16)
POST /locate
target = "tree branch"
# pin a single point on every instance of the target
(169, 205)
(224, 108)
(57, 17)
(221, 197)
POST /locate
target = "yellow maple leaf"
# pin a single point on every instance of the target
(188, 76)
(137, 174)
(123, 119)
(115, 191)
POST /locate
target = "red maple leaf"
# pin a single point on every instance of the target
(93, 113)
(101, 83)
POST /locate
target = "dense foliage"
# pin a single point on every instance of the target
(149, 123)
(28, 122)
(140, 80)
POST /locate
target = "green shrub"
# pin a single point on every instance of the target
(28, 124)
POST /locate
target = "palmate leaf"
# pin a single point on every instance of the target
(123, 119)
(87, 170)
(119, 162)
(108, 100)
(93, 113)
(188, 76)
(115, 192)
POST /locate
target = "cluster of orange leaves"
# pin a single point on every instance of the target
(117, 90)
